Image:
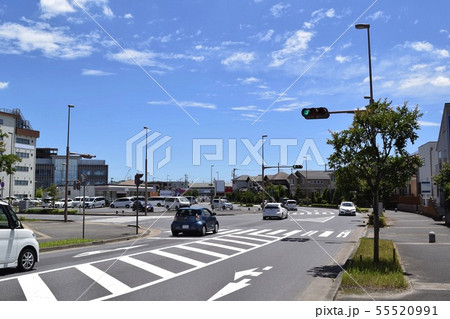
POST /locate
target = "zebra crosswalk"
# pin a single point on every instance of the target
(112, 277)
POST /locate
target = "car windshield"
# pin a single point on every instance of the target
(189, 212)
(347, 204)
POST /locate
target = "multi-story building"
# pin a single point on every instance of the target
(429, 156)
(20, 139)
(51, 168)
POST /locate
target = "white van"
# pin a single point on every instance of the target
(120, 202)
(94, 202)
(18, 246)
(78, 201)
(291, 204)
(176, 202)
(156, 200)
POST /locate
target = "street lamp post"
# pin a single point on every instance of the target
(361, 26)
(10, 175)
(306, 167)
(212, 185)
(262, 170)
(66, 193)
(145, 187)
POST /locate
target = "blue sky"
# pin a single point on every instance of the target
(197, 72)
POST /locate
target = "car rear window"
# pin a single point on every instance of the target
(271, 206)
(189, 212)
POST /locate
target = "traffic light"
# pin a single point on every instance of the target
(297, 166)
(315, 113)
(137, 179)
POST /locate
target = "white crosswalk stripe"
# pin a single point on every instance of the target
(226, 244)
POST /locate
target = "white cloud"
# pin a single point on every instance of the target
(249, 80)
(342, 59)
(278, 9)
(442, 81)
(442, 53)
(52, 42)
(95, 72)
(425, 123)
(3, 85)
(144, 58)
(294, 46)
(421, 46)
(239, 57)
(379, 15)
(318, 15)
(128, 16)
(247, 108)
(51, 8)
(267, 36)
(190, 104)
(418, 67)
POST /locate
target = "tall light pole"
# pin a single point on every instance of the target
(146, 193)
(66, 193)
(306, 166)
(10, 175)
(262, 170)
(212, 185)
(361, 26)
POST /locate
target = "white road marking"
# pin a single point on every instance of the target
(102, 278)
(221, 246)
(202, 251)
(326, 233)
(35, 289)
(183, 259)
(344, 234)
(237, 242)
(276, 232)
(310, 233)
(148, 267)
(249, 238)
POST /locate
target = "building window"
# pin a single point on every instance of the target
(22, 140)
(23, 155)
(22, 168)
(20, 183)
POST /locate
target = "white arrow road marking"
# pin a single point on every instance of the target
(248, 272)
(344, 234)
(230, 288)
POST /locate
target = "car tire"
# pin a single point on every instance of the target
(203, 232)
(112, 206)
(174, 233)
(216, 228)
(26, 260)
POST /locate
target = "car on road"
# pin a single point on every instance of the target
(121, 202)
(93, 202)
(62, 203)
(274, 210)
(220, 203)
(347, 208)
(291, 204)
(140, 204)
(194, 220)
(156, 200)
(18, 246)
(176, 202)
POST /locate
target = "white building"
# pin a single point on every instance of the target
(20, 139)
(429, 155)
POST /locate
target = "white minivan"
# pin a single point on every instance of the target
(18, 246)
(176, 202)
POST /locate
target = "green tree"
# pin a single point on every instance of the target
(443, 180)
(374, 149)
(52, 192)
(7, 160)
(39, 193)
(298, 193)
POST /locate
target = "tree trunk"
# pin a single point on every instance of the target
(376, 228)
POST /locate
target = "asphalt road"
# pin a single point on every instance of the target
(249, 259)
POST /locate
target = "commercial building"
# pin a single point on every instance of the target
(20, 140)
(51, 168)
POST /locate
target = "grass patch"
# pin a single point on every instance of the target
(53, 211)
(362, 271)
(64, 242)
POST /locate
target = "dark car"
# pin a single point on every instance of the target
(140, 205)
(194, 220)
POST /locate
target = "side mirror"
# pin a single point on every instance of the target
(18, 224)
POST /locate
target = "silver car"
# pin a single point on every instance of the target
(347, 208)
(274, 210)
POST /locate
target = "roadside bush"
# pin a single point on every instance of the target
(381, 220)
(53, 211)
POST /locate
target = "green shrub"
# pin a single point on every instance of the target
(51, 211)
(381, 220)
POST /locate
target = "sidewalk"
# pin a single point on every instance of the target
(426, 264)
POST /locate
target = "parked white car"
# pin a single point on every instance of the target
(62, 203)
(94, 202)
(18, 246)
(121, 202)
(274, 210)
(347, 208)
(176, 202)
(221, 203)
